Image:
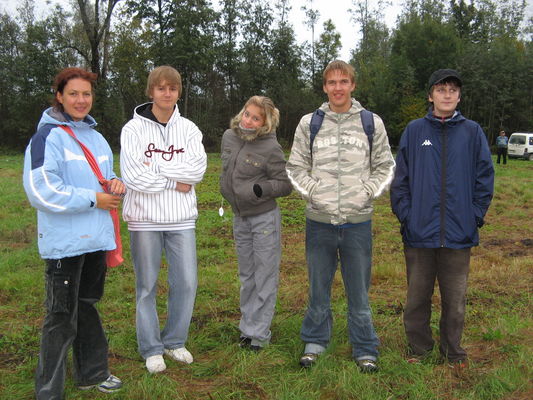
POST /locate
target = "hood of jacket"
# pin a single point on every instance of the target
(249, 135)
(456, 118)
(355, 108)
(55, 117)
(137, 113)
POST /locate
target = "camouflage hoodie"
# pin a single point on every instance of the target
(339, 181)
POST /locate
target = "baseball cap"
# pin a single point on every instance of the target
(442, 74)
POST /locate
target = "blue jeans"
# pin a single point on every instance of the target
(180, 251)
(325, 245)
(73, 287)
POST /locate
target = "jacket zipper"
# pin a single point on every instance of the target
(339, 168)
(444, 155)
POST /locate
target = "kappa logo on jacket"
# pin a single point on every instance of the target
(427, 143)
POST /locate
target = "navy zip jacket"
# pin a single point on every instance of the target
(444, 182)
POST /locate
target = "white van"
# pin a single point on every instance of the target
(521, 146)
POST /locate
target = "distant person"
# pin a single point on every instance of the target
(253, 176)
(75, 230)
(441, 191)
(339, 174)
(161, 161)
(501, 147)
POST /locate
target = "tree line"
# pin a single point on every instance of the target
(233, 49)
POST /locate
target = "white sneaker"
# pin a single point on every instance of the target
(155, 364)
(181, 355)
(111, 385)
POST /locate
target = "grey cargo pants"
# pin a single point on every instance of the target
(258, 245)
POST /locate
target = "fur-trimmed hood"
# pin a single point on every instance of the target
(249, 135)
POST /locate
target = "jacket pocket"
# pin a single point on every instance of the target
(356, 202)
(252, 165)
(325, 198)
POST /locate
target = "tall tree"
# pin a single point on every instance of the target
(157, 14)
(312, 16)
(371, 59)
(131, 62)
(285, 85)
(229, 35)
(96, 23)
(29, 59)
(328, 47)
(256, 34)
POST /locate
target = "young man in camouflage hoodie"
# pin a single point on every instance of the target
(339, 177)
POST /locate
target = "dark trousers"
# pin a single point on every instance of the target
(73, 286)
(502, 152)
(450, 268)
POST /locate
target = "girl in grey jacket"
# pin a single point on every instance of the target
(253, 175)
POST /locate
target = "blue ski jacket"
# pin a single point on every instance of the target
(444, 182)
(61, 185)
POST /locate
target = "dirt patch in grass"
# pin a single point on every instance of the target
(202, 320)
(17, 238)
(390, 309)
(8, 360)
(222, 232)
(512, 247)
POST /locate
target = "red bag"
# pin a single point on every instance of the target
(113, 257)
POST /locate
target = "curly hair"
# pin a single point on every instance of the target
(269, 110)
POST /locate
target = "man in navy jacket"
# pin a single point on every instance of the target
(442, 188)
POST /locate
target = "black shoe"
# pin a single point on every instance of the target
(255, 348)
(308, 359)
(245, 342)
(367, 366)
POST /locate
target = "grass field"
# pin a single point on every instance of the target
(498, 334)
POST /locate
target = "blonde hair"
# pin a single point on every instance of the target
(270, 113)
(164, 73)
(339, 65)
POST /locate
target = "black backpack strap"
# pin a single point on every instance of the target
(314, 127)
(367, 119)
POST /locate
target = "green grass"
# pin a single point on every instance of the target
(497, 335)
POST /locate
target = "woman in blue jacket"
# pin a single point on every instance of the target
(75, 230)
(441, 191)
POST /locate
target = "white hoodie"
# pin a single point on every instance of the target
(153, 159)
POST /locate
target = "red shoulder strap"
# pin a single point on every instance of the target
(88, 155)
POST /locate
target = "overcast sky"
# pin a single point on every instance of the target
(337, 10)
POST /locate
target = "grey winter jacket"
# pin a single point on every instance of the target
(252, 160)
(339, 180)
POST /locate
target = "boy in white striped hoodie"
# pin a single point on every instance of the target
(161, 160)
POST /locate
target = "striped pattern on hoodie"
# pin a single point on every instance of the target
(153, 159)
